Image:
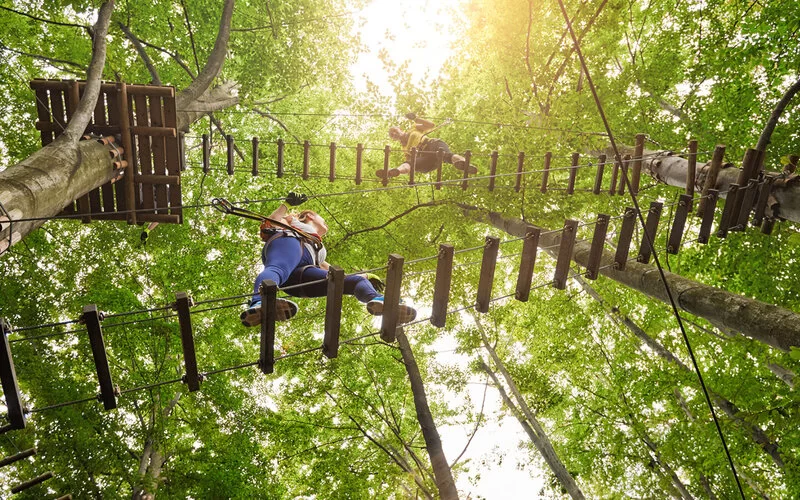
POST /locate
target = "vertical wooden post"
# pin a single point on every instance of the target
(520, 166)
(91, 317)
(678, 223)
(332, 174)
(565, 253)
(596, 250)
(623, 178)
(359, 156)
(182, 305)
(647, 246)
(255, 157)
(612, 190)
(711, 177)
(206, 154)
(691, 172)
(546, 171)
(439, 161)
(229, 143)
(727, 211)
(493, 170)
(387, 151)
(526, 263)
(624, 242)
(269, 293)
(467, 159)
(306, 159)
(708, 215)
(391, 298)
(441, 288)
(573, 172)
(638, 154)
(488, 265)
(281, 146)
(333, 311)
(8, 378)
(413, 165)
(125, 132)
(598, 178)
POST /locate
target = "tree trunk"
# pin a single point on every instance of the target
(766, 323)
(673, 170)
(433, 443)
(40, 186)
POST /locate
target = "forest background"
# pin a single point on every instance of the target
(599, 370)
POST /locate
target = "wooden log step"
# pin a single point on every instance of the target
(646, 248)
(679, 223)
(17, 457)
(709, 203)
(108, 393)
(764, 190)
(488, 265)
(31, 483)
(568, 235)
(269, 295)
(596, 250)
(727, 211)
(441, 287)
(333, 311)
(391, 297)
(625, 236)
(182, 304)
(527, 263)
(8, 378)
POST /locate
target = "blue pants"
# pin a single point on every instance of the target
(288, 262)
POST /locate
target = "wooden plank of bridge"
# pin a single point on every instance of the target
(488, 265)
(691, 173)
(679, 223)
(625, 235)
(439, 161)
(520, 168)
(623, 178)
(91, 318)
(573, 173)
(708, 215)
(359, 159)
(748, 200)
(231, 160)
(19, 456)
(492, 169)
(764, 190)
(387, 151)
(467, 159)
(647, 245)
(269, 294)
(391, 297)
(727, 211)
(182, 305)
(31, 483)
(306, 159)
(254, 154)
(598, 178)
(281, 146)
(332, 172)
(638, 153)
(598, 242)
(612, 190)
(526, 263)
(333, 311)
(128, 200)
(748, 166)
(568, 235)
(711, 178)
(412, 166)
(546, 171)
(441, 287)
(8, 378)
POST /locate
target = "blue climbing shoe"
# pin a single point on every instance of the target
(405, 314)
(284, 309)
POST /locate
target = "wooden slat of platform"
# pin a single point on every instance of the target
(146, 193)
(159, 150)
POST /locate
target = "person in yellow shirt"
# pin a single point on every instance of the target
(427, 147)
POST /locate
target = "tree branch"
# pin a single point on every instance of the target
(137, 44)
(49, 21)
(766, 134)
(393, 219)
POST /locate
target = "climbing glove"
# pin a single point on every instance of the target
(376, 282)
(295, 199)
(411, 116)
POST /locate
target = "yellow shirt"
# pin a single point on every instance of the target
(416, 139)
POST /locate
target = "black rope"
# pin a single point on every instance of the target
(650, 242)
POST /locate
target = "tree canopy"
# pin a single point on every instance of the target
(598, 375)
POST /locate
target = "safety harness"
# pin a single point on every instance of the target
(270, 228)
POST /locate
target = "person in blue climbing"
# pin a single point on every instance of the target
(297, 256)
(417, 137)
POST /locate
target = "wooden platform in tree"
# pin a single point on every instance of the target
(143, 119)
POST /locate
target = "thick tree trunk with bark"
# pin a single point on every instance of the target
(433, 443)
(40, 186)
(673, 171)
(766, 323)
